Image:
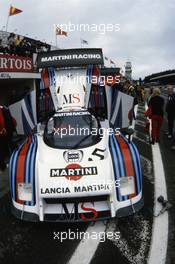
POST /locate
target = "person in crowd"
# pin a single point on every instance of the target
(156, 104)
(7, 128)
(22, 46)
(129, 89)
(150, 95)
(170, 109)
(18, 41)
(142, 93)
(3, 46)
(3, 141)
(137, 90)
(11, 43)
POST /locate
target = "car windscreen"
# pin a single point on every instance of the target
(72, 130)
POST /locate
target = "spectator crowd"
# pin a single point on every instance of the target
(159, 108)
(13, 44)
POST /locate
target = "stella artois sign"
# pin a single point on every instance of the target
(10, 63)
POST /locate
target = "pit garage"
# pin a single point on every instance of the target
(14, 89)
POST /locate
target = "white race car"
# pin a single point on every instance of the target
(78, 166)
(79, 169)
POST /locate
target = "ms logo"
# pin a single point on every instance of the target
(71, 99)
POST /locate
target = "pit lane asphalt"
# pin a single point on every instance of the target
(22, 242)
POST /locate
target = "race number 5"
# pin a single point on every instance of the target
(99, 153)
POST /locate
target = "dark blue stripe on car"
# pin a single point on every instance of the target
(27, 164)
(135, 165)
(26, 126)
(30, 162)
(28, 103)
(138, 164)
(12, 169)
(115, 163)
(123, 172)
(32, 171)
(120, 162)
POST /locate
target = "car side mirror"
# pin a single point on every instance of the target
(128, 131)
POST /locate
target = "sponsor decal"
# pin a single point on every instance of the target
(73, 172)
(92, 188)
(71, 99)
(73, 155)
(65, 114)
(90, 214)
(71, 57)
(55, 190)
(72, 214)
(89, 210)
(76, 189)
(10, 63)
(98, 153)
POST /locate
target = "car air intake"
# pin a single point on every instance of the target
(99, 198)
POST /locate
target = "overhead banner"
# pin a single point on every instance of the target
(10, 63)
(70, 58)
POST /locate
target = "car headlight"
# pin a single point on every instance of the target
(25, 192)
(127, 185)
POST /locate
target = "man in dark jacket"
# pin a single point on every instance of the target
(156, 104)
(170, 109)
